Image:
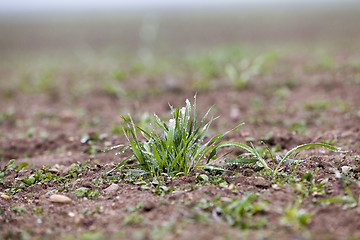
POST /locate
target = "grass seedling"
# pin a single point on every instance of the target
(8, 166)
(308, 187)
(86, 192)
(350, 200)
(294, 216)
(235, 212)
(19, 209)
(252, 155)
(179, 148)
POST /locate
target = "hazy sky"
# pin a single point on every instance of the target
(44, 5)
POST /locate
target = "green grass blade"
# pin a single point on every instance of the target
(241, 160)
(121, 164)
(308, 145)
(195, 112)
(157, 157)
(244, 147)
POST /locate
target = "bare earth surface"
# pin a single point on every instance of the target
(58, 114)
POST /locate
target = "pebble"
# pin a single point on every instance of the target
(345, 169)
(235, 113)
(79, 218)
(71, 214)
(53, 170)
(148, 206)
(111, 189)
(4, 196)
(57, 198)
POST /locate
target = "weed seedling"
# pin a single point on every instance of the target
(236, 212)
(86, 192)
(132, 218)
(136, 207)
(8, 166)
(350, 200)
(18, 209)
(97, 209)
(37, 210)
(294, 216)
(41, 176)
(308, 187)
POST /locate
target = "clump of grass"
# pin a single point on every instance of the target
(178, 148)
(181, 146)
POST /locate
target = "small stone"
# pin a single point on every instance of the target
(111, 189)
(275, 187)
(4, 196)
(57, 198)
(261, 182)
(231, 186)
(79, 218)
(345, 169)
(316, 194)
(235, 113)
(148, 206)
(53, 170)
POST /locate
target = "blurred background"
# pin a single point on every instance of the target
(61, 45)
(173, 27)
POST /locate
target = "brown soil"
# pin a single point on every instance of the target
(46, 127)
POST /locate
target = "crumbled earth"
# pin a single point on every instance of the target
(57, 133)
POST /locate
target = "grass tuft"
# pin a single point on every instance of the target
(178, 148)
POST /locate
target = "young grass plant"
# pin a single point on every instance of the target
(181, 146)
(253, 156)
(178, 148)
(236, 212)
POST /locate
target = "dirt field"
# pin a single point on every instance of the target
(292, 82)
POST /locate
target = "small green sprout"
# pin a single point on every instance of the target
(236, 212)
(37, 210)
(132, 218)
(295, 217)
(19, 209)
(86, 192)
